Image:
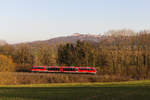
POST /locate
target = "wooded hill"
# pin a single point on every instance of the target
(69, 39)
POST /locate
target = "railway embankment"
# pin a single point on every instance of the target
(17, 78)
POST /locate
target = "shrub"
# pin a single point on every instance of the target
(6, 64)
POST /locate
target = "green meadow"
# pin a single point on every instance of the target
(136, 90)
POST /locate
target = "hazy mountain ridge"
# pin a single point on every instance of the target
(71, 39)
(2, 42)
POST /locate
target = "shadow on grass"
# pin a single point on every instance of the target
(76, 93)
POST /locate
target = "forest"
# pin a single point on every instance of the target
(120, 52)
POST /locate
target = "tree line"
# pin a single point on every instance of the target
(25, 56)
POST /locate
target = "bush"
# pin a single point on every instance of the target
(6, 64)
(23, 67)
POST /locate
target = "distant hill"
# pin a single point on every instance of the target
(2, 42)
(93, 39)
(70, 39)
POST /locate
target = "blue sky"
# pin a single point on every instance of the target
(29, 20)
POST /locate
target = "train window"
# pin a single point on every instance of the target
(54, 69)
(38, 67)
(68, 69)
(86, 69)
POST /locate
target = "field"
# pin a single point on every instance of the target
(136, 90)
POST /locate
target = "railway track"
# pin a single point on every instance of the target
(38, 73)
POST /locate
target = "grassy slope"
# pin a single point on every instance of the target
(137, 90)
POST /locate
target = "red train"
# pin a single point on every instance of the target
(63, 69)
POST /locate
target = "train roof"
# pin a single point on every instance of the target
(62, 66)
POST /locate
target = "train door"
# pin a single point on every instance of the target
(46, 69)
(61, 69)
(77, 69)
